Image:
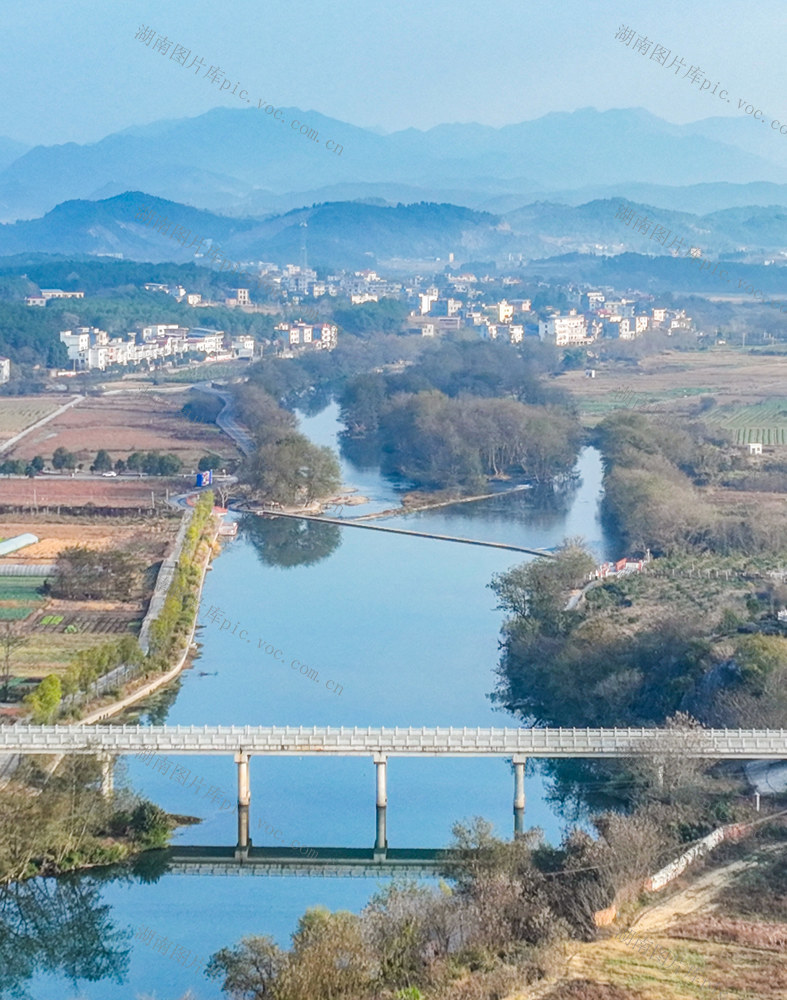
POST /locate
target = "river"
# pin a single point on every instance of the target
(409, 629)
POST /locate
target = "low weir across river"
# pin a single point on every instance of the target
(349, 523)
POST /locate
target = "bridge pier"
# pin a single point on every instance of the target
(244, 841)
(107, 761)
(381, 840)
(519, 795)
(244, 783)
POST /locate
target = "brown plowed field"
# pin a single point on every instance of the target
(54, 491)
(126, 422)
(151, 541)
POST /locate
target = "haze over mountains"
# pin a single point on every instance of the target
(357, 234)
(242, 162)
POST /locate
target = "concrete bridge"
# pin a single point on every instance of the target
(243, 742)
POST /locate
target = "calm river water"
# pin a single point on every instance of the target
(409, 629)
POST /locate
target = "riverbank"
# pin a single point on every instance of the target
(146, 688)
(419, 500)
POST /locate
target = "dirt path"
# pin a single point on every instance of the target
(698, 896)
(593, 960)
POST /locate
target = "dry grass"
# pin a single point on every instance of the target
(126, 422)
(673, 381)
(584, 989)
(18, 412)
(108, 533)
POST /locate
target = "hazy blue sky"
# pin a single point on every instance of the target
(73, 70)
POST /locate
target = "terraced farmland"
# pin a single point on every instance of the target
(764, 423)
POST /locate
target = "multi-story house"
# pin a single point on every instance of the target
(156, 330)
(205, 341)
(57, 293)
(320, 336)
(564, 330)
(243, 347)
(505, 311)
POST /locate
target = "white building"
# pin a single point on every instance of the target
(77, 345)
(164, 330)
(505, 311)
(5, 370)
(58, 293)
(241, 298)
(320, 336)
(243, 347)
(426, 300)
(564, 330)
(206, 341)
(35, 300)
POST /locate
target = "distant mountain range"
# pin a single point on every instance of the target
(359, 234)
(242, 162)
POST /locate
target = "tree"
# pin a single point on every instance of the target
(361, 402)
(102, 462)
(11, 639)
(37, 463)
(62, 458)
(169, 465)
(329, 958)
(83, 574)
(45, 699)
(134, 461)
(210, 461)
(250, 970)
(536, 593)
(13, 467)
(293, 470)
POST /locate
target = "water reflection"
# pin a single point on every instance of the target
(62, 927)
(286, 542)
(362, 452)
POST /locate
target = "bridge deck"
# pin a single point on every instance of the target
(394, 742)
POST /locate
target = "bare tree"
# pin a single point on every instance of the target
(11, 638)
(670, 769)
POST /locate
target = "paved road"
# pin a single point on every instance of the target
(227, 421)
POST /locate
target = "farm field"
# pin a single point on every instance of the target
(122, 422)
(56, 629)
(54, 491)
(18, 412)
(765, 422)
(673, 381)
(149, 538)
(20, 596)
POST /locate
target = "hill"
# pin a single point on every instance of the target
(361, 234)
(229, 157)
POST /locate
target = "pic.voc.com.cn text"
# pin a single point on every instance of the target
(660, 54)
(216, 616)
